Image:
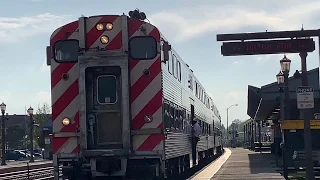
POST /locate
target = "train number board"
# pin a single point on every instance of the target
(267, 47)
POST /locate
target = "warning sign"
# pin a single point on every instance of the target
(305, 97)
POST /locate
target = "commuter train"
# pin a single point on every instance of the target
(123, 100)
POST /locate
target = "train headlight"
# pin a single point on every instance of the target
(109, 26)
(66, 121)
(99, 27)
(148, 118)
(104, 39)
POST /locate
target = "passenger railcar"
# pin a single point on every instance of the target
(123, 100)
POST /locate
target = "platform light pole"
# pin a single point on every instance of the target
(228, 120)
(280, 80)
(30, 112)
(285, 68)
(3, 132)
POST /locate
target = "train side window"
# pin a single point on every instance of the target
(187, 122)
(190, 82)
(171, 116)
(166, 115)
(203, 128)
(174, 61)
(202, 95)
(179, 70)
(175, 118)
(170, 63)
(66, 51)
(196, 89)
(143, 48)
(183, 117)
(206, 128)
(107, 89)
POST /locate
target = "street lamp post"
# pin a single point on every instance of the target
(285, 68)
(3, 133)
(30, 112)
(228, 121)
(282, 79)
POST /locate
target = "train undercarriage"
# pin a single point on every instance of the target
(134, 167)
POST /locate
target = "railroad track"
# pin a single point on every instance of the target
(44, 173)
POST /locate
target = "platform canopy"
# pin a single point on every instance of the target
(264, 102)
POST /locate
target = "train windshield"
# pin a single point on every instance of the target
(143, 48)
(66, 51)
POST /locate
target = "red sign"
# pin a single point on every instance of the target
(267, 47)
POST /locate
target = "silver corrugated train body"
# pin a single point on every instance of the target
(123, 101)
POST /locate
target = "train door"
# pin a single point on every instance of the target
(103, 97)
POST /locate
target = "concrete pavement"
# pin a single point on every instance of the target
(239, 164)
(244, 164)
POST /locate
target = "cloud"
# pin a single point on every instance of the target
(234, 96)
(44, 67)
(275, 57)
(17, 102)
(13, 29)
(186, 23)
(43, 97)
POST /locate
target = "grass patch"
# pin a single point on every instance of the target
(297, 176)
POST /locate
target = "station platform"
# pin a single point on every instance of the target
(240, 164)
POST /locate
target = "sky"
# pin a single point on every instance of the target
(190, 26)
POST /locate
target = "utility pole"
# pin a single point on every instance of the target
(306, 117)
(228, 121)
(227, 125)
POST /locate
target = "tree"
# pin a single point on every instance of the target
(236, 124)
(41, 116)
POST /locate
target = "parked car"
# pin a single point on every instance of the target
(13, 155)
